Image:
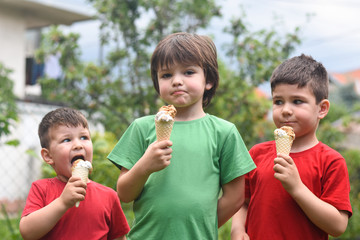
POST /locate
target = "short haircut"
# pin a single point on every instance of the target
(187, 49)
(302, 71)
(60, 117)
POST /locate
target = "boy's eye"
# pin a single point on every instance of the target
(278, 102)
(66, 140)
(298, 101)
(84, 138)
(189, 72)
(166, 75)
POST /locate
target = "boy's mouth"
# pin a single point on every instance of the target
(76, 158)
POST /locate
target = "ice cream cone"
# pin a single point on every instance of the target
(83, 173)
(164, 121)
(284, 138)
(163, 130)
(81, 169)
(283, 145)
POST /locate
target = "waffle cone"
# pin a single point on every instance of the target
(83, 173)
(163, 130)
(283, 144)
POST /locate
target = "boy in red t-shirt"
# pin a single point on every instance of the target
(304, 195)
(50, 211)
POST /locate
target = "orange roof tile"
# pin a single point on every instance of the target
(347, 77)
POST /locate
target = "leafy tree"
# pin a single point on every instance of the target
(352, 157)
(254, 56)
(257, 54)
(120, 89)
(8, 108)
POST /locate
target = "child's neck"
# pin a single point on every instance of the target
(304, 143)
(62, 178)
(186, 114)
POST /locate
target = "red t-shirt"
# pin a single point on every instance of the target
(272, 213)
(99, 216)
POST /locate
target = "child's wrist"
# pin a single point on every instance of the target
(298, 191)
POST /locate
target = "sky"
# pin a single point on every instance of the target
(331, 35)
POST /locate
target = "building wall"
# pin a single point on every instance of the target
(12, 47)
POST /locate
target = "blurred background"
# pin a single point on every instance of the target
(94, 55)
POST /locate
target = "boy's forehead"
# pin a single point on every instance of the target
(287, 85)
(291, 88)
(62, 127)
(171, 66)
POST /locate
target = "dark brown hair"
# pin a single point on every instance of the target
(187, 49)
(303, 71)
(62, 116)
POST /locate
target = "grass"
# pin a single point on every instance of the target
(9, 227)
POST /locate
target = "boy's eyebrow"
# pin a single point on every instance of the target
(292, 96)
(164, 69)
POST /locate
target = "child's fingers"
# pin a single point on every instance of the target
(286, 157)
(77, 182)
(278, 168)
(167, 151)
(164, 144)
(280, 161)
(75, 190)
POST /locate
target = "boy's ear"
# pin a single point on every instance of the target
(209, 85)
(46, 156)
(324, 108)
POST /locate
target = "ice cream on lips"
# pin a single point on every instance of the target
(82, 164)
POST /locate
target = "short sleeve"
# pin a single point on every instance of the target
(235, 158)
(336, 185)
(252, 153)
(119, 225)
(131, 146)
(34, 200)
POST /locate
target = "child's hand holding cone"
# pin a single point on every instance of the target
(285, 168)
(81, 168)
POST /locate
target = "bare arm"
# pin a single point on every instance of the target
(40, 222)
(231, 200)
(322, 214)
(131, 182)
(238, 223)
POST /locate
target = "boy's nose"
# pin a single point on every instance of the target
(177, 80)
(77, 144)
(286, 110)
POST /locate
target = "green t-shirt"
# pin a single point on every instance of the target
(180, 201)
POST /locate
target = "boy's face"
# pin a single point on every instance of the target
(297, 108)
(66, 145)
(183, 86)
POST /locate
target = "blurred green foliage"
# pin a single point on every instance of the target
(9, 226)
(8, 108)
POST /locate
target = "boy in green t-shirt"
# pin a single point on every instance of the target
(175, 184)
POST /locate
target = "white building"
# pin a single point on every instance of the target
(20, 27)
(21, 22)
